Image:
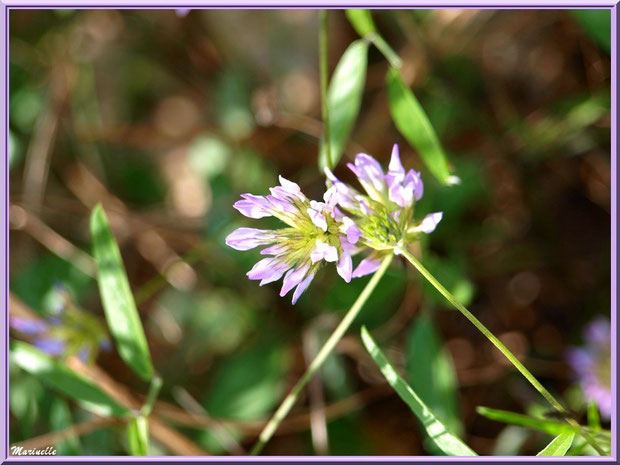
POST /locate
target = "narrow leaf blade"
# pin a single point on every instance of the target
(559, 446)
(438, 433)
(118, 302)
(61, 378)
(344, 99)
(138, 436)
(361, 20)
(546, 426)
(412, 122)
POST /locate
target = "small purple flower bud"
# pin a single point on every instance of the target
(351, 230)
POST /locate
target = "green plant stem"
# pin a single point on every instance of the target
(327, 349)
(497, 343)
(323, 56)
(151, 397)
(390, 55)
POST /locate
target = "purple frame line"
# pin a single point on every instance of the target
(4, 292)
(4, 12)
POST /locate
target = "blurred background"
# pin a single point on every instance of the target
(166, 116)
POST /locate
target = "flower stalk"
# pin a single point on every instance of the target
(497, 343)
(314, 366)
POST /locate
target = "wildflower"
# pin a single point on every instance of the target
(384, 216)
(317, 232)
(592, 364)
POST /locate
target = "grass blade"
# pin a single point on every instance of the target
(559, 446)
(118, 302)
(344, 98)
(438, 433)
(412, 122)
(546, 426)
(61, 378)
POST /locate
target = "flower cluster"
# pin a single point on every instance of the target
(68, 331)
(317, 233)
(385, 214)
(345, 223)
(592, 364)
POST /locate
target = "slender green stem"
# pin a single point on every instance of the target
(390, 55)
(327, 349)
(323, 55)
(151, 397)
(497, 343)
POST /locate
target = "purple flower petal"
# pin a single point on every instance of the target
(27, 325)
(274, 250)
(50, 346)
(264, 269)
(253, 206)
(301, 287)
(414, 178)
(317, 218)
(351, 230)
(248, 238)
(366, 266)
(396, 167)
(276, 273)
(345, 266)
(323, 251)
(370, 175)
(292, 279)
(430, 222)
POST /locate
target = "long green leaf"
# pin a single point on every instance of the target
(344, 98)
(431, 373)
(118, 302)
(597, 25)
(559, 446)
(547, 426)
(361, 20)
(60, 377)
(438, 433)
(412, 122)
(138, 435)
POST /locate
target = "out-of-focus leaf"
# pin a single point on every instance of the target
(14, 149)
(510, 440)
(59, 419)
(361, 20)
(138, 435)
(412, 122)
(246, 386)
(25, 397)
(344, 98)
(546, 426)
(559, 446)
(118, 302)
(60, 377)
(208, 155)
(594, 419)
(431, 373)
(436, 430)
(37, 284)
(597, 24)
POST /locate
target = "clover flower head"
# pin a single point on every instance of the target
(592, 364)
(384, 214)
(317, 232)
